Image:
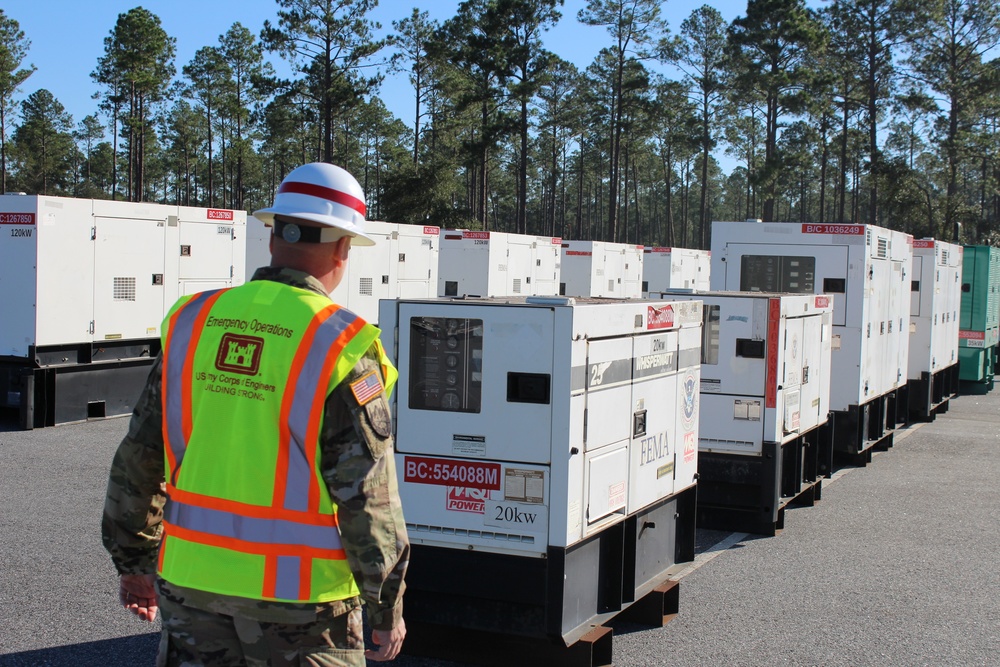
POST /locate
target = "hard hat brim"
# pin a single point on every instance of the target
(358, 238)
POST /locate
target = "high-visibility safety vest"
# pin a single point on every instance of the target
(246, 375)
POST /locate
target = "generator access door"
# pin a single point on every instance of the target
(791, 371)
(128, 278)
(416, 262)
(205, 257)
(813, 398)
(655, 433)
(518, 265)
(370, 277)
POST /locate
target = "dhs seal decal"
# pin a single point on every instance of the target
(689, 396)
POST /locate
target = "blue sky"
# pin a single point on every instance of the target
(67, 37)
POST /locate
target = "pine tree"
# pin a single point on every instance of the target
(13, 48)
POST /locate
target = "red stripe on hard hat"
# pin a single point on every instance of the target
(336, 196)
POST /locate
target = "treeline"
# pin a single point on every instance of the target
(874, 111)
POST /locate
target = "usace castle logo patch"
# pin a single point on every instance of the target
(239, 354)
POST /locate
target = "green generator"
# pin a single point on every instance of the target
(979, 326)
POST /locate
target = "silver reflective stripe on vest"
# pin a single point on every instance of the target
(300, 475)
(178, 342)
(252, 529)
(287, 577)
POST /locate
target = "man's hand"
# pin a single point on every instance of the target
(137, 593)
(389, 643)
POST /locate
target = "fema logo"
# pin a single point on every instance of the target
(690, 395)
(239, 354)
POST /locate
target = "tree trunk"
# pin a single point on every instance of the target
(522, 173)
(3, 150)
(482, 199)
(843, 164)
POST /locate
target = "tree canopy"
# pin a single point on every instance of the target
(877, 111)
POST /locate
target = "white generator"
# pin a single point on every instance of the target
(547, 256)
(765, 392)
(867, 271)
(675, 268)
(536, 437)
(897, 321)
(601, 269)
(496, 264)
(258, 246)
(403, 263)
(86, 285)
(936, 301)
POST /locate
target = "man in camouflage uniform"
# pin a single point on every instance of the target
(356, 463)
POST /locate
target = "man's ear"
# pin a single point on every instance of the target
(343, 248)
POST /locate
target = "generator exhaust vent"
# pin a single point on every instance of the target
(124, 289)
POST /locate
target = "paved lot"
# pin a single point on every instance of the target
(897, 565)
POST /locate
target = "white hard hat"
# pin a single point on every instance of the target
(322, 193)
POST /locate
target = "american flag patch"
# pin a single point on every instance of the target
(366, 388)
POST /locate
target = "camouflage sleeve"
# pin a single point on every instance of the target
(358, 465)
(133, 506)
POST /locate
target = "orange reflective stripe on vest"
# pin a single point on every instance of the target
(295, 485)
(185, 329)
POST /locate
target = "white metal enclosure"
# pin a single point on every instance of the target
(547, 265)
(864, 268)
(403, 263)
(258, 252)
(765, 394)
(496, 264)
(543, 432)
(84, 287)
(765, 371)
(666, 269)
(524, 384)
(936, 300)
(86, 271)
(601, 269)
(934, 327)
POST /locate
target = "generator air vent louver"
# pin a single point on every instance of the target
(709, 442)
(124, 289)
(944, 258)
(365, 287)
(462, 532)
(882, 250)
(517, 286)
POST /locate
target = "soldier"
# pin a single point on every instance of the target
(254, 502)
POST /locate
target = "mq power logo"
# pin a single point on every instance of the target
(659, 318)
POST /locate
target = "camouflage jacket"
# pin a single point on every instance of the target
(356, 460)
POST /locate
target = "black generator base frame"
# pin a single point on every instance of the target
(750, 493)
(860, 428)
(930, 394)
(62, 384)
